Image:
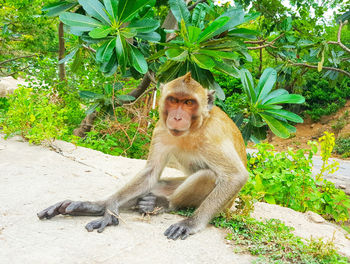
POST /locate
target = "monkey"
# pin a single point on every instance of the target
(204, 143)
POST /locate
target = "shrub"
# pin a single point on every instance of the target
(342, 147)
(286, 179)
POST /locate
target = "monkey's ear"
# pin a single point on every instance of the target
(211, 99)
(187, 77)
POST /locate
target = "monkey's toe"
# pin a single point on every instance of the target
(147, 204)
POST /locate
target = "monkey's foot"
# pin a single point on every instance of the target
(152, 204)
(100, 224)
(182, 229)
(72, 208)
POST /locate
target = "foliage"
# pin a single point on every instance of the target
(342, 147)
(273, 242)
(264, 107)
(286, 179)
(324, 97)
(327, 142)
(201, 47)
(37, 116)
(120, 135)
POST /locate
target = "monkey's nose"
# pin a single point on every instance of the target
(177, 118)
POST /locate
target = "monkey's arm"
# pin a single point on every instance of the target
(109, 208)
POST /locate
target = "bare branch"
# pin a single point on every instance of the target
(323, 68)
(195, 4)
(21, 57)
(268, 43)
(338, 42)
(89, 48)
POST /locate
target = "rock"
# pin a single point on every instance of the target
(342, 186)
(307, 225)
(9, 84)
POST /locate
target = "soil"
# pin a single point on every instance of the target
(314, 130)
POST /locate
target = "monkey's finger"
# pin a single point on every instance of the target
(170, 231)
(105, 222)
(93, 225)
(178, 233)
(73, 206)
(185, 234)
(64, 205)
(150, 197)
(50, 211)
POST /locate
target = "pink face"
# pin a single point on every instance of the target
(179, 113)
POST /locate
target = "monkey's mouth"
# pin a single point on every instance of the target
(176, 132)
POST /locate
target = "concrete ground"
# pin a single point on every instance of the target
(34, 177)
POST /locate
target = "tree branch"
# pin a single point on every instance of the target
(338, 42)
(21, 57)
(324, 68)
(268, 43)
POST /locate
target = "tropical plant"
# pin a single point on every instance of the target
(107, 100)
(264, 107)
(201, 48)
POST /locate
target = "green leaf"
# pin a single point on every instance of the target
(125, 97)
(287, 24)
(176, 54)
(69, 56)
(128, 9)
(198, 14)
(227, 69)
(120, 48)
(179, 10)
(193, 33)
(138, 60)
(270, 199)
(109, 67)
(266, 83)
(287, 115)
(84, 23)
(273, 94)
(90, 95)
(92, 108)
(248, 84)
(151, 36)
(77, 61)
(145, 25)
(105, 51)
(219, 54)
(100, 32)
(210, 30)
(287, 99)
(236, 18)
(203, 61)
(218, 90)
(243, 33)
(276, 126)
(57, 8)
(95, 9)
(112, 8)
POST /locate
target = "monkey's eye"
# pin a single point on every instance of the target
(173, 100)
(189, 102)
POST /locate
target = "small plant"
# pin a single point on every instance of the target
(342, 147)
(264, 107)
(341, 122)
(286, 179)
(272, 241)
(327, 142)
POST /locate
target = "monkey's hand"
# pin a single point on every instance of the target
(110, 218)
(181, 229)
(72, 208)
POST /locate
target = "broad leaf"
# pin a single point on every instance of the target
(236, 18)
(105, 51)
(193, 33)
(276, 126)
(179, 10)
(92, 108)
(273, 94)
(287, 99)
(151, 36)
(266, 83)
(125, 97)
(145, 25)
(100, 32)
(128, 9)
(210, 31)
(95, 9)
(218, 90)
(248, 84)
(219, 54)
(90, 95)
(203, 61)
(138, 60)
(84, 23)
(287, 115)
(176, 54)
(57, 8)
(69, 56)
(120, 48)
(227, 69)
(243, 33)
(111, 8)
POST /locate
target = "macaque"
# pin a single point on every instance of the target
(204, 143)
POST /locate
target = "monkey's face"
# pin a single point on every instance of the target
(180, 110)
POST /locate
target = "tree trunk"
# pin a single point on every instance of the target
(61, 51)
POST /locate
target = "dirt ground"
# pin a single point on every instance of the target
(313, 130)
